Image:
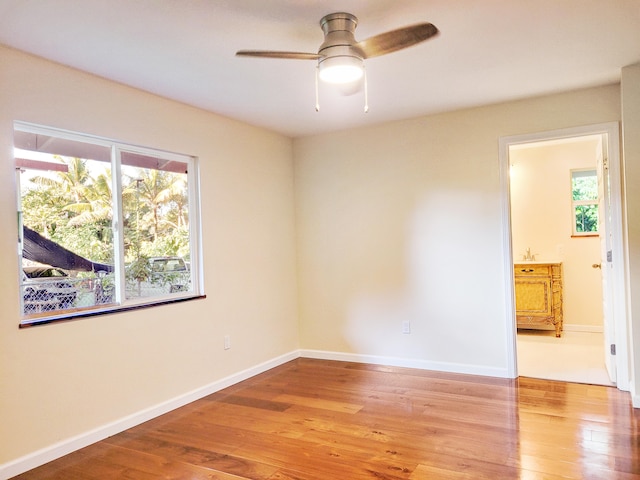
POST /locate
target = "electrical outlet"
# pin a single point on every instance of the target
(227, 342)
(406, 326)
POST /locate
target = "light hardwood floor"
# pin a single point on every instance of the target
(315, 419)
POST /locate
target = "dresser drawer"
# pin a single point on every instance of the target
(523, 269)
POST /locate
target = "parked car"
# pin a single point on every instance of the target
(172, 271)
(161, 266)
(45, 289)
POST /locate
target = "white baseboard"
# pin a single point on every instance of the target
(408, 363)
(635, 398)
(57, 450)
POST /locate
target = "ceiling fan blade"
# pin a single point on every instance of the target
(397, 39)
(276, 54)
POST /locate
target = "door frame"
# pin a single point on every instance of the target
(618, 277)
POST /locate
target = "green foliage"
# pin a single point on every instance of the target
(75, 209)
(43, 209)
(92, 240)
(585, 187)
(174, 243)
(139, 269)
(585, 191)
(586, 218)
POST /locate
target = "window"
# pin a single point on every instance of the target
(584, 195)
(103, 225)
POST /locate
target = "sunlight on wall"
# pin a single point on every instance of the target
(438, 259)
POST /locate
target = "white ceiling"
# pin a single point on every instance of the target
(488, 51)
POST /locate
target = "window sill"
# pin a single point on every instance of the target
(76, 315)
(587, 235)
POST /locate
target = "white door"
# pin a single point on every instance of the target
(605, 230)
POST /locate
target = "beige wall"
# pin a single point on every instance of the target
(541, 220)
(61, 380)
(403, 222)
(631, 141)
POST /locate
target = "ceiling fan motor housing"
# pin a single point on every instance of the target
(339, 47)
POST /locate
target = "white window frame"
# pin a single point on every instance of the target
(195, 243)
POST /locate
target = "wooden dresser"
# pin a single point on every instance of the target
(538, 288)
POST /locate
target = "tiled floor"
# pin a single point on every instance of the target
(575, 357)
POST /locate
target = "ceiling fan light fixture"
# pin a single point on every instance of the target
(340, 70)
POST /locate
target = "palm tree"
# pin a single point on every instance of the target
(157, 189)
(74, 181)
(96, 204)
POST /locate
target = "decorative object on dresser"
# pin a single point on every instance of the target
(538, 288)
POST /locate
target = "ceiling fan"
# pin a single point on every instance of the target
(341, 58)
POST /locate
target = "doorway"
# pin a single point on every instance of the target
(594, 317)
(545, 176)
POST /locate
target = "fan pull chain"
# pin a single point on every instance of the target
(366, 91)
(317, 101)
